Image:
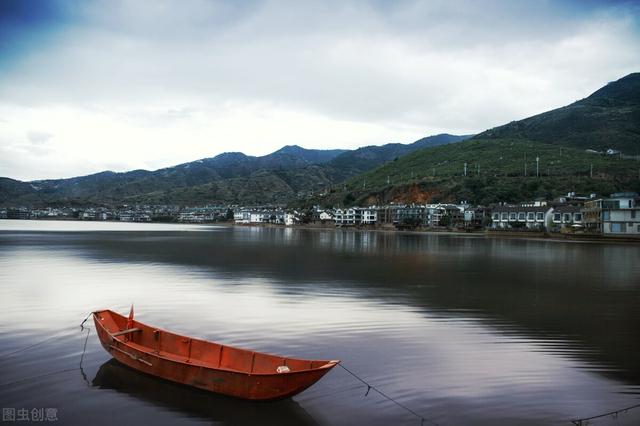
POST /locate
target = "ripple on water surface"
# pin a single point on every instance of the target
(464, 331)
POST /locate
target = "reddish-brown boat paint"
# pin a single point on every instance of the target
(206, 365)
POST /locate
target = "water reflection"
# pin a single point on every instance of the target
(467, 330)
(192, 402)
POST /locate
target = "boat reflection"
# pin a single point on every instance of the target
(194, 403)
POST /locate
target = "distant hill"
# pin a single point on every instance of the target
(283, 176)
(496, 158)
(310, 156)
(362, 159)
(609, 118)
(495, 172)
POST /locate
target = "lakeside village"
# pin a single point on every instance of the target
(616, 215)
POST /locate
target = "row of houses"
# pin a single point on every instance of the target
(123, 213)
(430, 215)
(204, 214)
(536, 217)
(618, 214)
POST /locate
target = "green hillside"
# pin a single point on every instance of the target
(495, 172)
(609, 118)
(261, 187)
(354, 162)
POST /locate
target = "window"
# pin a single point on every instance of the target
(566, 217)
(540, 216)
(577, 217)
(522, 216)
(557, 217)
(496, 216)
(605, 215)
(633, 214)
(512, 216)
(505, 216)
(531, 216)
(615, 227)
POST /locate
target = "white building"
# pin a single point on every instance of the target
(345, 217)
(325, 215)
(617, 215)
(566, 217)
(369, 216)
(433, 214)
(355, 216)
(257, 217)
(289, 219)
(527, 216)
(242, 216)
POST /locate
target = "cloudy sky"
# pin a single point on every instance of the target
(87, 86)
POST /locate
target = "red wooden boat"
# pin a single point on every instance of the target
(206, 365)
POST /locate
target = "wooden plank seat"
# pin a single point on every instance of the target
(130, 330)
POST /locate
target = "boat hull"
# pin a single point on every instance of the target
(203, 375)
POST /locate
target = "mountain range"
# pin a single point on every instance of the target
(538, 157)
(232, 177)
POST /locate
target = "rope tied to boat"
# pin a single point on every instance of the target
(50, 373)
(46, 339)
(85, 320)
(369, 386)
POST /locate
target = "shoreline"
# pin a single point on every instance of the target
(484, 233)
(517, 235)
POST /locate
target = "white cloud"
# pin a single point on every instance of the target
(153, 84)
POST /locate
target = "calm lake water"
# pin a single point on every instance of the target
(465, 330)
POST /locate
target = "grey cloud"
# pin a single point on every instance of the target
(38, 138)
(438, 65)
(359, 61)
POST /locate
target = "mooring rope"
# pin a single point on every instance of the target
(46, 339)
(50, 373)
(398, 403)
(614, 414)
(51, 337)
(27, 379)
